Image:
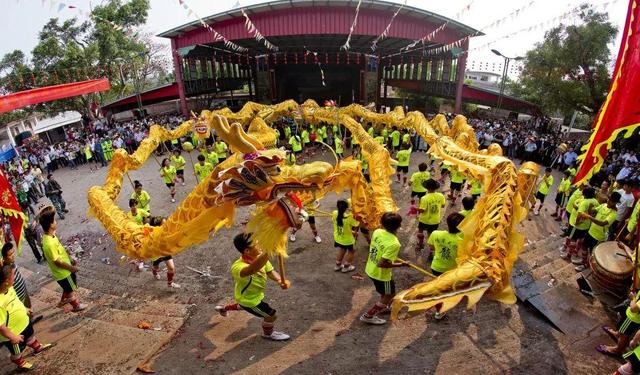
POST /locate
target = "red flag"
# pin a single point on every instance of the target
(11, 209)
(621, 111)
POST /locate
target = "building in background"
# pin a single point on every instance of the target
(50, 129)
(483, 80)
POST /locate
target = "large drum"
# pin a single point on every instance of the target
(611, 270)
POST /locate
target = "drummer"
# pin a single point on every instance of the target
(605, 214)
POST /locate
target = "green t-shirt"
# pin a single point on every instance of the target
(445, 247)
(431, 205)
(634, 317)
(476, 187)
(249, 291)
(395, 138)
(603, 213)
(53, 250)
(417, 180)
(168, 174)
(385, 133)
(221, 149)
(178, 162)
(406, 138)
(457, 177)
(403, 157)
(339, 146)
(13, 313)
(371, 131)
(305, 136)
(545, 184)
(203, 170)
(465, 213)
(139, 216)
(383, 245)
(212, 157)
(585, 206)
(344, 235)
(143, 200)
(296, 143)
(287, 131)
(572, 201)
(565, 183)
(379, 139)
(633, 219)
(290, 159)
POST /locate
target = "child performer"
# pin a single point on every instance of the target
(345, 234)
(179, 163)
(383, 252)
(168, 173)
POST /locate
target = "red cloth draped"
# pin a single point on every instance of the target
(621, 111)
(50, 93)
(11, 209)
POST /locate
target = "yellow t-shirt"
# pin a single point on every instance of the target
(431, 205)
(476, 187)
(221, 149)
(633, 219)
(603, 213)
(379, 139)
(305, 136)
(249, 291)
(344, 235)
(178, 162)
(417, 181)
(339, 146)
(212, 158)
(445, 247)
(143, 200)
(383, 245)
(465, 213)
(575, 196)
(403, 157)
(53, 250)
(395, 138)
(13, 313)
(545, 184)
(203, 170)
(565, 183)
(585, 206)
(139, 216)
(168, 174)
(296, 143)
(457, 177)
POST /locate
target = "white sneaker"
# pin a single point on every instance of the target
(439, 315)
(580, 268)
(318, 239)
(564, 254)
(292, 237)
(373, 320)
(221, 310)
(337, 267)
(173, 200)
(157, 276)
(174, 286)
(349, 268)
(80, 307)
(276, 336)
(183, 184)
(575, 259)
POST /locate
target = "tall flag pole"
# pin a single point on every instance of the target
(621, 110)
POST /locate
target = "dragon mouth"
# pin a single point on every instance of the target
(201, 129)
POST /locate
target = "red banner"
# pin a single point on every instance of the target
(11, 209)
(621, 111)
(50, 93)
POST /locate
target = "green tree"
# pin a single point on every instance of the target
(105, 45)
(568, 70)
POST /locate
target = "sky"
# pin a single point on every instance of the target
(22, 20)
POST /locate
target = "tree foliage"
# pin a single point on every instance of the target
(569, 69)
(107, 44)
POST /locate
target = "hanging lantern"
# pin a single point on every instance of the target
(315, 58)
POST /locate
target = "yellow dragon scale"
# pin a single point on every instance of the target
(486, 255)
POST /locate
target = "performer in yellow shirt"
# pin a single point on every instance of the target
(430, 210)
(543, 190)
(345, 234)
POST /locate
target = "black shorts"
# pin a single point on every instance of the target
(387, 288)
(180, 172)
(540, 197)
(346, 247)
(312, 219)
(428, 227)
(262, 310)
(170, 185)
(627, 327)
(16, 349)
(68, 284)
(475, 196)
(589, 242)
(633, 359)
(455, 186)
(559, 199)
(436, 273)
(220, 160)
(403, 169)
(364, 230)
(157, 262)
(578, 234)
(418, 194)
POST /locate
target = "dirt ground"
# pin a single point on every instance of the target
(320, 311)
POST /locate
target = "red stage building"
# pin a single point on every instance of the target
(308, 34)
